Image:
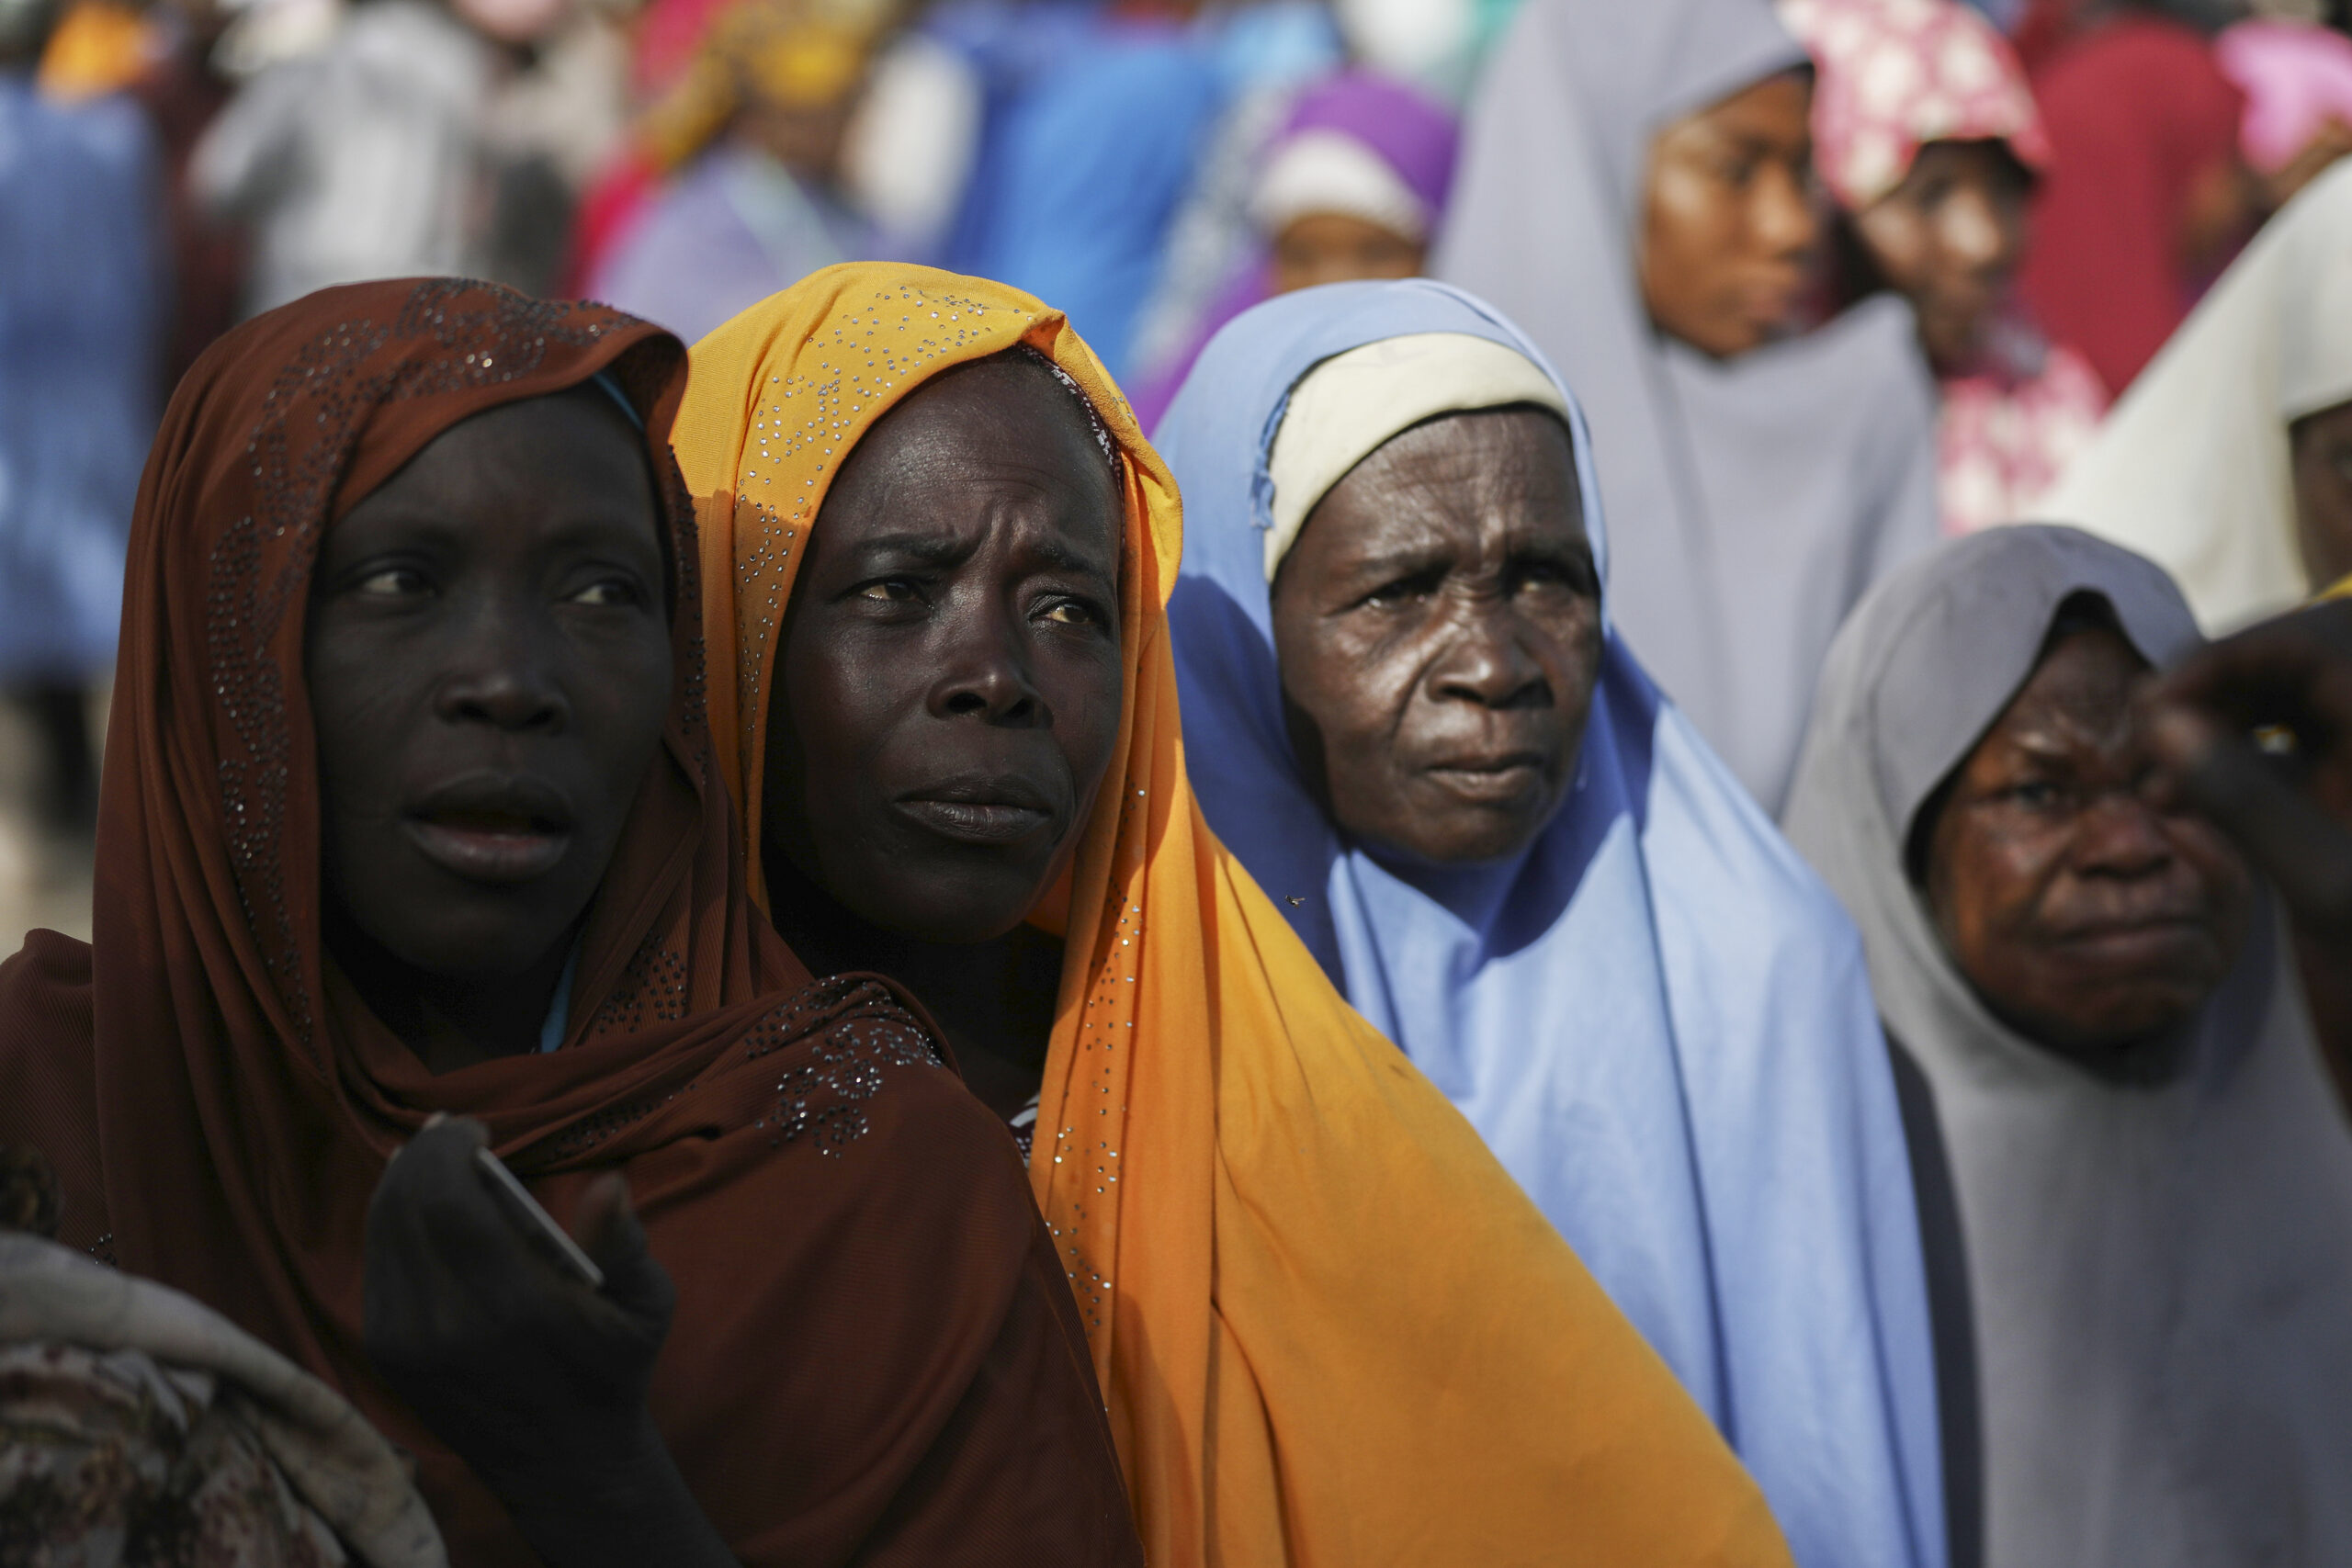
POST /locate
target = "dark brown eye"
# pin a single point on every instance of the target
(1071, 613)
(608, 592)
(392, 583)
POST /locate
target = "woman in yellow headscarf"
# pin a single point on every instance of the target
(1329, 1327)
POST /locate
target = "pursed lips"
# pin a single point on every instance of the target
(1497, 776)
(979, 811)
(2140, 934)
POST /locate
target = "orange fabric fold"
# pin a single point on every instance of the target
(1331, 1328)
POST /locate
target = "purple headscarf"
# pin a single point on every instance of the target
(1413, 135)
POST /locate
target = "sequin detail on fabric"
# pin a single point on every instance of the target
(824, 1099)
(651, 989)
(312, 416)
(1086, 404)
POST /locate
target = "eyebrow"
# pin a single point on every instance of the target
(933, 549)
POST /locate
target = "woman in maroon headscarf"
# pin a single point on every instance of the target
(411, 845)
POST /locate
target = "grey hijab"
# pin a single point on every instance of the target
(2161, 1271)
(1751, 502)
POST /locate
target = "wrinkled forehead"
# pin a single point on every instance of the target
(1003, 442)
(1944, 646)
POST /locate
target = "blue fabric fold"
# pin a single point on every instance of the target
(1656, 1015)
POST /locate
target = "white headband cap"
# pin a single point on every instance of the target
(1353, 403)
(1330, 171)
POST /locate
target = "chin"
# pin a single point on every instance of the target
(2122, 1028)
(955, 916)
(465, 951)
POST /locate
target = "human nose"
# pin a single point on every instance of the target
(985, 672)
(502, 673)
(1486, 660)
(1783, 211)
(2122, 837)
(1975, 235)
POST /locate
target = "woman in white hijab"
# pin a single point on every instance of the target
(1635, 191)
(2153, 1183)
(2229, 462)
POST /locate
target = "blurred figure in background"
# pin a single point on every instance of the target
(358, 160)
(1351, 188)
(2296, 74)
(2147, 196)
(756, 132)
(183, 90)
(1924, 131)
(81, 302)
(394, 138)
(1268, 54)
(1084, 164)
(2229, 462)
(1635, 191)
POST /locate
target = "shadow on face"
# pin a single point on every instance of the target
(949, 681)
(2320, 445)
(2086, 918)
(1728, 226)
(1949, 239)
(1436, 625)
(488, 659)
(1338, 247)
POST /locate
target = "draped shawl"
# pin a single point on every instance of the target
(873, 1354)
(1655, 1014)
(2194, 467)
(1755, 498)
(1331, 1328)
(2159, 1269)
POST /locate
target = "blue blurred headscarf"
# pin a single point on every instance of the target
(1656, 1015)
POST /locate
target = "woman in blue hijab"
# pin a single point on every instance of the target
(1527, 870)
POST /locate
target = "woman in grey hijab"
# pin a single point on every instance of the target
(2153, 1183)
(1634, 193)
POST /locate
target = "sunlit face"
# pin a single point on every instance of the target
(1333, 247)
(2322, 448)
(1437, 627)
(2085, 916)
(1949, 239)
(950, 676)
(1729, 225)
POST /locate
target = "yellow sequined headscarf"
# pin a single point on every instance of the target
(1331, 1328)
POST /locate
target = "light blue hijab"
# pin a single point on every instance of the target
(1656, 1015)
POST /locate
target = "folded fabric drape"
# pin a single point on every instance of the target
(1331, 1328)
(873, 1352)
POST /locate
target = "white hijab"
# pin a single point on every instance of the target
(2161, 1271)
(1753, 500)
(2192, 468)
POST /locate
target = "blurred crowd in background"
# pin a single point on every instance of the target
(1151, 167)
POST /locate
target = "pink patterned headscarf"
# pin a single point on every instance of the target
(1896, 74)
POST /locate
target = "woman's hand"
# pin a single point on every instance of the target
(534, 1378)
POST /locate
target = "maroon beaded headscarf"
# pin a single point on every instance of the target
(851, 1232)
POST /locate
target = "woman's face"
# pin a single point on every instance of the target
(949, 679)
(2086, 919)
(1729, 226)
(1949, 239)
(1333, 247)
(1436, 625)
(2321, 448)
(488, 659)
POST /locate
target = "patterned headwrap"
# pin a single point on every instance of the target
(1896, 74)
